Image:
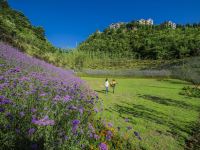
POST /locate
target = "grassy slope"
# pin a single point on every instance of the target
(155, 109)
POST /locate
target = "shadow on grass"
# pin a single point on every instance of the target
(22, 143)
(102, 91)
(193, 142)
(180, 82)
(139, 111)
(169, 102)
(161, 87)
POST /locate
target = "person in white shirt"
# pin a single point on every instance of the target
(106, 85)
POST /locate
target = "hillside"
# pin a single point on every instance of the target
(17, 30)
(143, 41)
(46, 107)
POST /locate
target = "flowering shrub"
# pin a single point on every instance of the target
(45, 107)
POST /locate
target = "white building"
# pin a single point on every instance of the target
(146, 22)
(116, 25)
(170, 24)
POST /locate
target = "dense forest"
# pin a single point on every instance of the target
(133, 40)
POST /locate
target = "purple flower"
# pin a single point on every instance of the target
(43, 94)
(1, 97)
(91, 128)
(96, 110)
(43, 122)
(5, 101)
(103, 146)
(96, 136)
(91, 135)
(33, 110)
(67, 98)
(75, 122)
(22, 114)
(72, 107)
(110, 125)
(109, 135)
(31, 131)
(66, 137)
(57, 98)
(81, 110)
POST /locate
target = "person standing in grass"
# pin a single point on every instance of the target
(106, 85)
(113, 84)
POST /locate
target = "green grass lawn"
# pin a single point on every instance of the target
(154, 107)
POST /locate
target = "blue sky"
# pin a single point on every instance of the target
(68, 22)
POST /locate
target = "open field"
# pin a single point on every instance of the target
(154, 108)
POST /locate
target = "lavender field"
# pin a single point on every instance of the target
(46, 107)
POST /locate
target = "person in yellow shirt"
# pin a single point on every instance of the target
(113, 84)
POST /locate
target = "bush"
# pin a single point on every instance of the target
(191, 91)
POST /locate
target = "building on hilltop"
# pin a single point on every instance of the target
(116, 25)
(145, 22)
(170, 24)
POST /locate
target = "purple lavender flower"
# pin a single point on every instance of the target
(43, 94)
(96, 137)
(91, 128)
(43, 122)
(109, 135)
(5, 101)
(110, 125)
(57, 98)
(33, 110)
(1, 97)
(96, 110)
(75, 122)
(22, 114)
(81, 110)
(91, 135)
(67, 98)
(72, 107)
(66, 137)
(31, 131)
(103, 146)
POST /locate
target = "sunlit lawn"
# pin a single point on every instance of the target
(154, 107)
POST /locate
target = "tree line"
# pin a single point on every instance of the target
(133, 40)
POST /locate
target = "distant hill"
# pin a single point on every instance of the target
(143, 40)
(16, 29)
